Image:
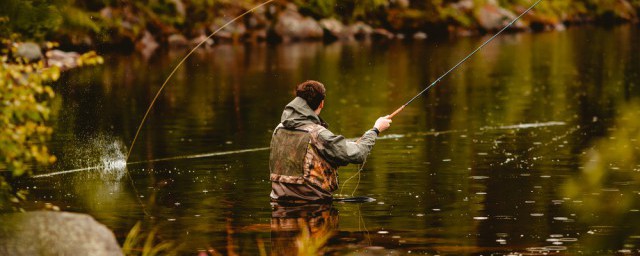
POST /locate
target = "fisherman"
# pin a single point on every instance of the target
(305, 155)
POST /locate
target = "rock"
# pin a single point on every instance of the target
(177, 41)
(333, 28)
(63, 60)
(539, 21)
(233, 31)
(55, 233)
(106, 13)
(420, 36)
(493, 17)
(560, 27)
(361, 30)
(197, 40)
(30, 51)
(292, 25)
(381, 33)
(147, 44)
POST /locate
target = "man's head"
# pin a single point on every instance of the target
(313, 92)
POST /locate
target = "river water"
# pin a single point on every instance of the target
(476, 166)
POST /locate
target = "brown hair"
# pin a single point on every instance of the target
(311, 91)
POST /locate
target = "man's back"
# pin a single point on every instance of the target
(305, 155)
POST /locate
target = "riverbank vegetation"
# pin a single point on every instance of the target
(24, 98)
(25, 109)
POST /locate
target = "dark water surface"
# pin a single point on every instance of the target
(477, 166)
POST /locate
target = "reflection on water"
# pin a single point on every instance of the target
(476, 166)
(302, 229)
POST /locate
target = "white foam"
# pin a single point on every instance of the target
(524, 126)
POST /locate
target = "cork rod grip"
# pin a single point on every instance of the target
(397, 111)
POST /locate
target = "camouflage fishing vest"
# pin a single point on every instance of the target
(294, 158)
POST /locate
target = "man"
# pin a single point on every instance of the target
(305, 155)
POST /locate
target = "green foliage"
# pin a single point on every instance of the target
(614, 160)
(139, 243)
(81, 20)
(616, 157)
(38, 19)
(24, 110)
(317, 8)
(25, 98)
(32, 18)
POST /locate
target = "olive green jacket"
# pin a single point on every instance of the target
(337, 150)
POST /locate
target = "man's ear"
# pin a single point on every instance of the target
(321, 104)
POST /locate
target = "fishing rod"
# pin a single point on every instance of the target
(462, 61)
(437, 81)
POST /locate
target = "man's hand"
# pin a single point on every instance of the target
(382, 123)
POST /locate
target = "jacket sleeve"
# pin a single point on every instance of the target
(339, 151)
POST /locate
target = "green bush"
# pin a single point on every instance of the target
(24, 111)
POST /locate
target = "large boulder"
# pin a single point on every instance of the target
(55, 233)
(291, 24)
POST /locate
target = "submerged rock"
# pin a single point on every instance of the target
(55, 233)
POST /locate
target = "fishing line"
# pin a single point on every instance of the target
(249, 150)
(144, 118)
(441, 77)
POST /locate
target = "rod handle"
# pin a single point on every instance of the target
(397, 111)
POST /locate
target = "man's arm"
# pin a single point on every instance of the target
(339, 151)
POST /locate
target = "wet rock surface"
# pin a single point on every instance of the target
(55, 233)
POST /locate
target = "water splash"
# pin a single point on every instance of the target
(102, 156)
(113, 162)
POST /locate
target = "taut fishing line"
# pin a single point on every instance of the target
(441, 77)
(144, 118)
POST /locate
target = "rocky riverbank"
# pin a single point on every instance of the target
(181, 24)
